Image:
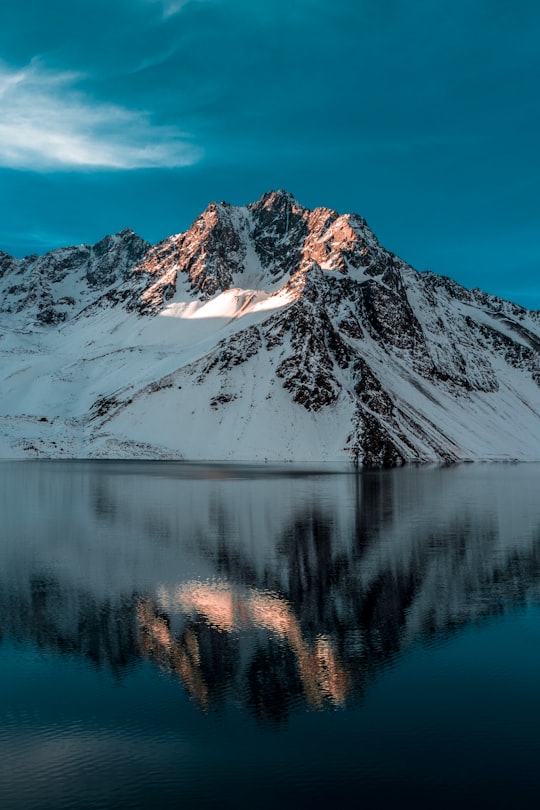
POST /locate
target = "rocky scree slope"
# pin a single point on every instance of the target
(268, 331)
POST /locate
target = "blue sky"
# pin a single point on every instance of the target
(423, 116)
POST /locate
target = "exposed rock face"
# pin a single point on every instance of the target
(266, 331)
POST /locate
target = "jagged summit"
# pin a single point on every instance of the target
(268, 330)
(276, 200)
(276, 227)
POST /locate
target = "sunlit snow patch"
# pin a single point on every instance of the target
(234, 303)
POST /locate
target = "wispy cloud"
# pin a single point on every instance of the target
(47, 124)
(172, 7)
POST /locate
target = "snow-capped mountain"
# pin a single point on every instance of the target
(268, 331)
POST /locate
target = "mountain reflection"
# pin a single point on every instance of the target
(229, 610)
(256, 587)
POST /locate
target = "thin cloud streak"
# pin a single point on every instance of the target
(172, 7)
(46, 124)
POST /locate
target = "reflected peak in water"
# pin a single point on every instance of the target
(240, 611)
(270, 590)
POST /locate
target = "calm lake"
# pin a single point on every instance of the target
(194, 636)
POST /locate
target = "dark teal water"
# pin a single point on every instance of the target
(190, 636)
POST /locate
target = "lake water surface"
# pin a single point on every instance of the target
(194, 636)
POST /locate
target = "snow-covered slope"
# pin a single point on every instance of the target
(263, 332)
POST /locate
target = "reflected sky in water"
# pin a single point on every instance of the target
(252, 636)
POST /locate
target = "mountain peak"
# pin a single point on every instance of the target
(278, 195)
(276, 199)
(288, 333)
(126, 233)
